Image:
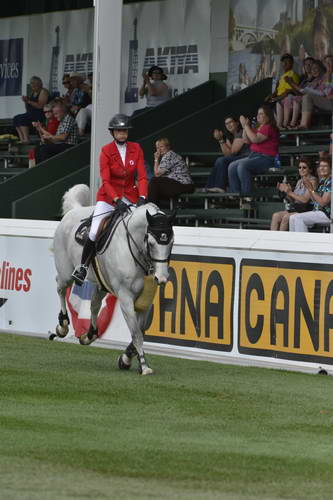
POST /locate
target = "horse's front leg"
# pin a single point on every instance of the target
(95, 305)
(134, 322)
(62, 327)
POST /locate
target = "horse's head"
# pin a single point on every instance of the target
(159, 243)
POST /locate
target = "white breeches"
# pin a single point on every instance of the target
(102, 210)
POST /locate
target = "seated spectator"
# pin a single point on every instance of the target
(328, 63)
(299, 198)
(316, 89)
(74, 94)
(65, 137)
(264, 146)
(172, 176)
(50, 122)
(83, 116)
(233, 148)
(292, 104)
(34, 104)
(283, 89)
(154, 88)
(321, 199)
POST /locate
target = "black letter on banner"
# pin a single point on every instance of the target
(328, 317)
(254, 333)
(312, 322)
(169, 305)
(214, 308)
(280, 315)
(186, 297)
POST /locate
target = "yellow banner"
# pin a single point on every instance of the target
(195, 307)
(286, 310)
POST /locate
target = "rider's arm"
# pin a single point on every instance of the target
(104, 162)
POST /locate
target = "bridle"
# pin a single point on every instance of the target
(162, 234)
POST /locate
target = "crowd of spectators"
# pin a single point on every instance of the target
(248, 147)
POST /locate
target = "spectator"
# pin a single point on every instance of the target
(74, 94)
(66, 83)
(264, 143)
(283, 89)
(321, 199)
(328, 63)
(83, 117)
(299, 198)
(233, 148)
(51, 123)
(154, 88)
(292, 106)
(316, 93)
(65, 137)
(172, 176)
(34, 108)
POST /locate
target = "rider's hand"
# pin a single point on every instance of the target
(121, 206)
(141, 201)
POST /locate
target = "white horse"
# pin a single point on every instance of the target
(141, 245)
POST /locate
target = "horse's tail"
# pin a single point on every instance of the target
(76, 196)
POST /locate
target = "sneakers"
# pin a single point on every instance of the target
(80, 274)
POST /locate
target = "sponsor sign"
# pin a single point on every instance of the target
(286, 310)
(11, 66)
(195, 307)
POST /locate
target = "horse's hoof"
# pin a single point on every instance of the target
(122, 365)
(85, 340)
(52, 336)
(61, 331)
(146, 371)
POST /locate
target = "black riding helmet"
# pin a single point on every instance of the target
(119, 122)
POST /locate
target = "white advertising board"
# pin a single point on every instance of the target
(246, 297)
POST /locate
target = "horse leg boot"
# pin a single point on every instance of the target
(125, 359)
(88, 252)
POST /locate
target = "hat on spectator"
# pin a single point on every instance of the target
(160, 70)
(76, 75)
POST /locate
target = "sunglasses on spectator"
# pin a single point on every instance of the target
(302, 168)
(47, 110)
(65, 82)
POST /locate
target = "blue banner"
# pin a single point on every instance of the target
(11, 66)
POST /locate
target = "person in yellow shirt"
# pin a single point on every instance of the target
(283, 89)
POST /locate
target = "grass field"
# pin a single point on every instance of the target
(73, 426)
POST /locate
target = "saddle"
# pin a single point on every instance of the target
(104, 231)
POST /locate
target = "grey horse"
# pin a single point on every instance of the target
(141, 245)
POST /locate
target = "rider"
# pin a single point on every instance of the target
(120, 161)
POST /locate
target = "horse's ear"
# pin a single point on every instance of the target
(150, 218)
(172, 217)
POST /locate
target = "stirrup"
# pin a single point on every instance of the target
(79, 274)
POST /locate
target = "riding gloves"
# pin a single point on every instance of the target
(121, 206)
(141, 201)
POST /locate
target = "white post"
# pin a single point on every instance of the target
(106, 80)
(331, 147)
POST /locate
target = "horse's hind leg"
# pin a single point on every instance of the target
(134, 324)
(62, 327)
(95, 305)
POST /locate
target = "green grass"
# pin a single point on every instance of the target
(72, 426)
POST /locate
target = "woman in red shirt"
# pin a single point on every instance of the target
(264, 146)
(120, 162)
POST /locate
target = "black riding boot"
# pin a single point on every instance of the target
(88, 252)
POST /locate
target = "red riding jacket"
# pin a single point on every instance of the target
(118, 180)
